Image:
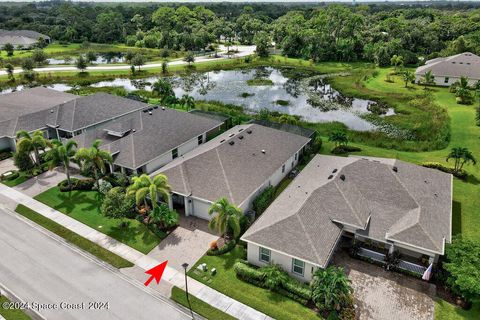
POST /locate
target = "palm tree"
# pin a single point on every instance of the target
(287, 119)
(339, 138)
(428, 79)
(275, 277)
(461, 156)
(227, 216)
(95, 158)
(331, 288)
(408, 76)
(187, 101)
(462, 91)
(31, 143)
(63, 153)
(144, 186)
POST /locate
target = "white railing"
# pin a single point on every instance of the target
(412, 267)
(377, 256)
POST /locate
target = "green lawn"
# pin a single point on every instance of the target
(198, 306)
(70, 236)
(225, 281)
(22, 177)
(12, 314)
(447, 311)
(84, 206)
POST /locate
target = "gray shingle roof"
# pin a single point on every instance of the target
(463, 64)
(218, 169)
(411, 205)
(155, 134)
(20, 37)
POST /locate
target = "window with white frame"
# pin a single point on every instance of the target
(298, 266)
(283, 169)
(265, 255)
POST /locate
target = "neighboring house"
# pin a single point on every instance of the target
(237, 165)
(22, 38)
(385, 204)
(58, 114)
(146, 140)
(449, 69)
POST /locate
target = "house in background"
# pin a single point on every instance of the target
(448, 70)
(22, 38)
(60, 115)
(146, 140)
(238, 165)
(387, 205)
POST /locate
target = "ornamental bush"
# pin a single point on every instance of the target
(331, 289)
(77, 184)
(117, 204)
(22, 161)
(461, 174)
(261, 203)
(227, 247)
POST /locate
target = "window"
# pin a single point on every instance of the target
(298, 266)
(283, 169)
(265, 255)
(200, 139)
(446, 79)
(296, 156)
(175, 153)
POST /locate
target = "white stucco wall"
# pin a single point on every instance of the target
(285, 261)
(7, 143)
(200, 208)
(440, 80)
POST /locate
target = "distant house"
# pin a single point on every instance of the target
(146, 140)
(22, 38)
(387, 205)
(238, 165)
(449, 69)
(58, 114)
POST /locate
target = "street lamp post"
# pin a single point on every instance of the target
(185, 266)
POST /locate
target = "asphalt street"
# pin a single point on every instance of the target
(65, 283)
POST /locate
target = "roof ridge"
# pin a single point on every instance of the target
(310, 242)
(185, 181)
(348, 203)
(225, 176)
(73, 114)
(133, 151)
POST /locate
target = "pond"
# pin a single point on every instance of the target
(105, 58)
(289, 91)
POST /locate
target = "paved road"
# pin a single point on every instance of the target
(243, 51)
(41, 269)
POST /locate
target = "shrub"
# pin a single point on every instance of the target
(77, 184)
(461, 174)
(331, 289)
(261, 203)
(245, 271)
(275, 277)
(103, 186)
(22, 161)
(117, 204)
(117, 179)
(227, 247)
(14, 175)
(5, 155)
(345, 149)
(298, 288)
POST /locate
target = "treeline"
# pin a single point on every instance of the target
(315, 32)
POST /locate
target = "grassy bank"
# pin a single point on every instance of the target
(72, 237)
(198, 306)
(84, 206)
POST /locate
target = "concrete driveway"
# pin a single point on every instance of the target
(381, 294)
(187, 243)
(7, 165)
(43, 182)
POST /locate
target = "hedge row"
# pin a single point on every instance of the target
(345, 149)
(261, 203)
(226, 248)
(77, 184)
(291, 289)
(462, 174)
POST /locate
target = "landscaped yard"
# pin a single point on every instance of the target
(225, 281)
(84, 206)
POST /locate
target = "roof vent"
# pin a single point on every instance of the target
(330, 176)
(263, 151)
(150, 112)
(342, 177)
(145, 110)
(231, 135)
(223, 140)
(134, 130)
(51, 111)
(240, 137)
(249, 131)
(334, 170)
(240, 130)
(163, 108)
(150, 109)
(395, 169)
(155, 107)
(231, 143)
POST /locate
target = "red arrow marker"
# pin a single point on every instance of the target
(156, 273)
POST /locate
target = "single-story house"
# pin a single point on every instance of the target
(381, 203)
(238, 165)
(146, 140)
(448, 70)
(22, 38)
(58, 114)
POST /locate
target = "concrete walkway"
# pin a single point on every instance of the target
(243, 51)
(44, 181)
(171, 276)
(7, 165)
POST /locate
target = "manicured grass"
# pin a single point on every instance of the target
(225, 281)
(447, 311)
(84, 206)
(22, 177)
(260, 82)
(70, 236)
(12, 314)
(198, 306)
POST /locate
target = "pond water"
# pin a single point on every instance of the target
(308, 96)
(101, 59)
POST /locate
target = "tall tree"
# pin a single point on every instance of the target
(138, 60)
(95, 159)
(187, 102)
(29, 143)
(428, 79)
(81, 63)
(408, 77)
(339, 138)
(9, 68)
(63, 153)
(8, 47)
(461, 156)
(144, 186)
(226, 217)
(331, 289)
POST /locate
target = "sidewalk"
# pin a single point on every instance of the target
(171, 275)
